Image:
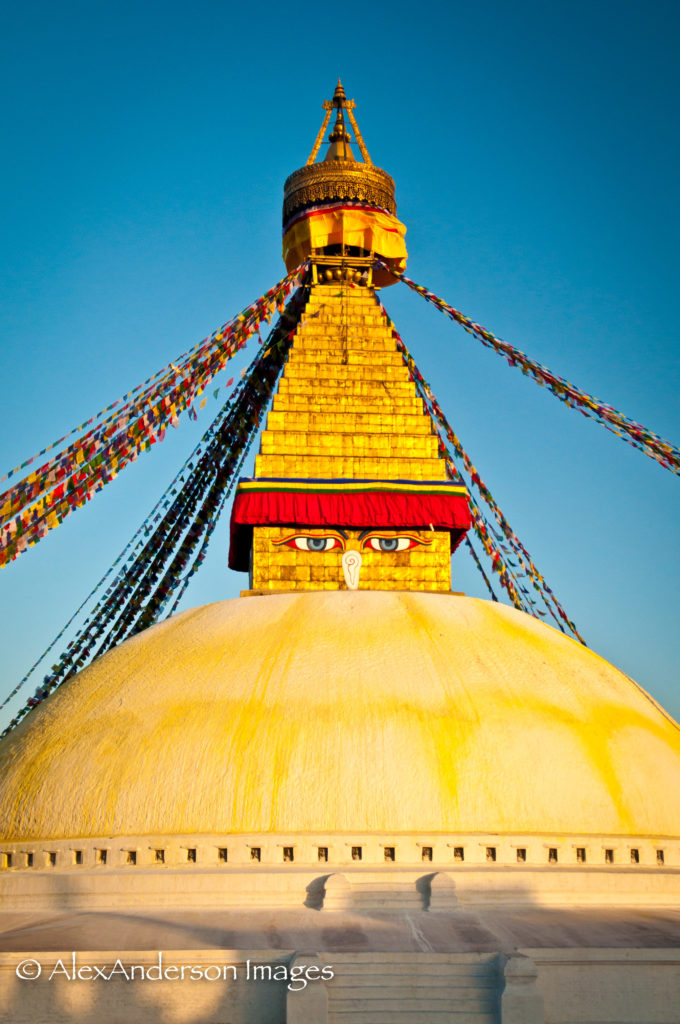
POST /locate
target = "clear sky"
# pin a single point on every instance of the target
(535, 152)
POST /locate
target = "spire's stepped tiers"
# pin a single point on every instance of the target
(346, 421)
(345, 406)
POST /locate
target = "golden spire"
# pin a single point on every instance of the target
(339, 103)
(339, 138)
(339, 94)
(350, 490)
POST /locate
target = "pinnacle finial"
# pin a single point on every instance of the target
(339, 138)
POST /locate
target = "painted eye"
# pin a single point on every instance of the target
(315, 543)
(303, 543)
(387, 544)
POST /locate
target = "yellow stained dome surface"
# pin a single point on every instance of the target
(344, 711)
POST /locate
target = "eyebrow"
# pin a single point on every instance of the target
(363, 534)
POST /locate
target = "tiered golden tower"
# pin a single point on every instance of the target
(349, 489)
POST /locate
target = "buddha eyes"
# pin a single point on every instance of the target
(391, 543)
(314, 543)
(385, 545)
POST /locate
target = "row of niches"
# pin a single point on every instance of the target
(235, 852)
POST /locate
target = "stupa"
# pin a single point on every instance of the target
(429, 807)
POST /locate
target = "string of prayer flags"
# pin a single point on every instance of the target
(479, 565)
(269, 300)
(179, 485)
(175, 541)
(501, 554)
(634, 434)
(41, 501)
(179, 398)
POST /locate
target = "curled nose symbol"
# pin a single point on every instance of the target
(351, 567)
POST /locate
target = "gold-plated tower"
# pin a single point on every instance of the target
(350, 490)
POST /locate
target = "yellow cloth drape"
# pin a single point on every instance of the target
(372, 230)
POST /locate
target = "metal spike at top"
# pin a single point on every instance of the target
(338, 95)
(339, 137)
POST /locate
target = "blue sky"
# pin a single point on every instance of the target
(535, 152)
